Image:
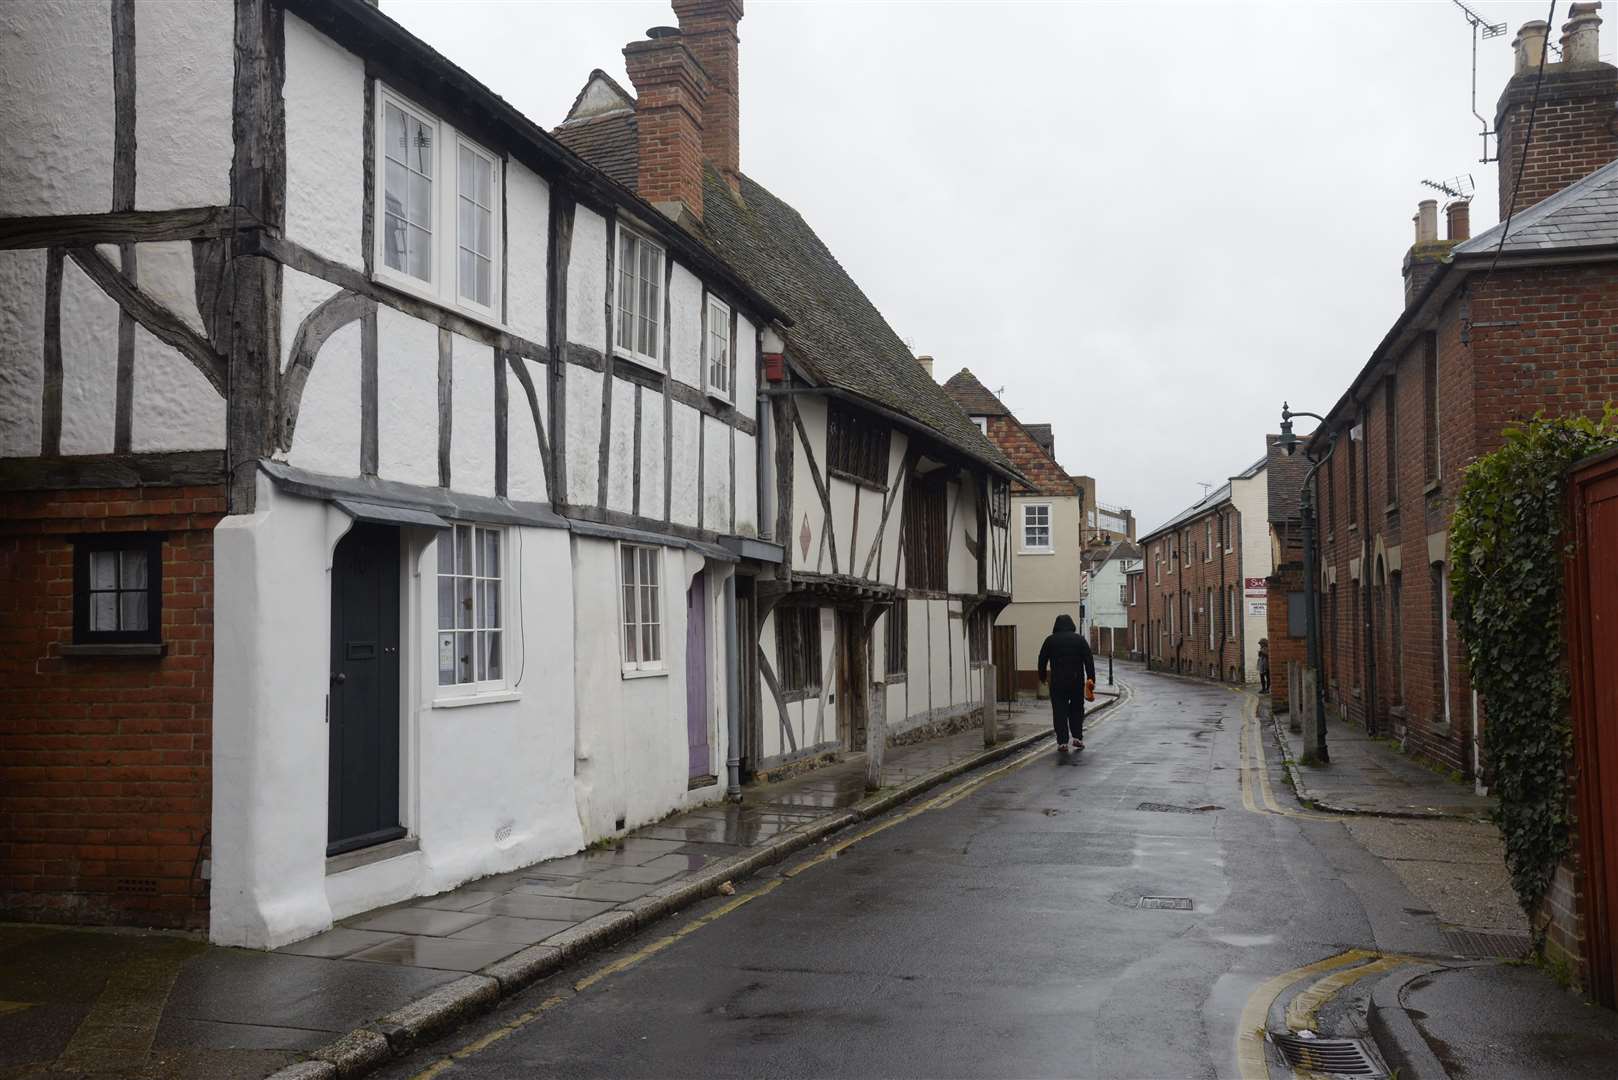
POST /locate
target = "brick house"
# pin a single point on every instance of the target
(1135, 608)
(1286, 616)
(1518, 320)
(1198, 618)
(1047, 518)
(1492, 332)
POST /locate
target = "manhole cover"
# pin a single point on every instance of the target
(1343, 1056)
(1166, 903)
(1477, 943)
(1169, 808)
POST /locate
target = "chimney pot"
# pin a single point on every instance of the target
(1581, 34)
(658, 33)
(1458, 215)
(1530, 45)
(926, 363)
(1426, 220)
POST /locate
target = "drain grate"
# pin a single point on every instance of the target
(1341, 1056)
(1166, 903)
(1481, 944)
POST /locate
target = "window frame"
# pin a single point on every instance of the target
(443, 288)
(1049, 547)
(728, 394)
(152, 544)
(859, 446)
(641, 668)
(799, 657)
(476, 688)
(655, 361)
(1207, 540)
(896, 639)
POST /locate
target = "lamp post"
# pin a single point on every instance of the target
(1306, 511)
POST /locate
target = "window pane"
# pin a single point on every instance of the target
(467, 176)
(463, 603)
(104, 611)
(421, 149)
(480, 663)
(491, 665)
(132, 613)
(648, 566)
(420, 254)
(420, 211)
(393, 242)
(446, 600)
(485, 185)
(463, 549)
(485, 282)
(489, 616)
(467, 222)
(485, 231)
(491, 552)
(393, 123)
(463, 658)
(467, 276)
(103, 569)
(446, 659)
(394, 187)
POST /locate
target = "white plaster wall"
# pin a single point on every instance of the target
(56, 109)
(185, 63)
(963, 568)
(327, 438)
(22, 327)
(685, 327)
(587, 283)
(407, 413)
(583, 432)
(621, 464)
(843, 497)
(165, 271)
(1251, 499)
(89, 364)
(175, 407)
(652, 495)
(746, 367)
(888, 571)
(683, 509)
(525, 468)
(806, 508)
(746, 484)
(300, 294)
(716, 475)
(527, 237)
(325, 118)
(471, 448)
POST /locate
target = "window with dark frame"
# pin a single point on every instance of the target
(926, 538)
(999, 502)
(1396, 633)
(896, 633)
(857, 445)
(797, 645)
(118, 589)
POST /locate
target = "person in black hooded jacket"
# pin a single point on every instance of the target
(1067, 658)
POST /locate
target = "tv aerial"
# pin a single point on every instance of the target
(1456, 187)
(1484, 29)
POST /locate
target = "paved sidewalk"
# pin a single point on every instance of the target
(84, 1002)
(1369, 776)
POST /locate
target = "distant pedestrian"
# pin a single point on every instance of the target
(1264, 665)
(1066, 657)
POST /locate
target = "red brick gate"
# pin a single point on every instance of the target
(1592, 627)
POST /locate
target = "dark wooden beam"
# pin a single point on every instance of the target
(127, 226)
(446, 403)
(520, 366)
(56, 473)
(158, 320)
(317, 327)
(50, 415)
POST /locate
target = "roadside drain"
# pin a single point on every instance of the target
(1478, 943)
(1344, 1057)
(1169, 808)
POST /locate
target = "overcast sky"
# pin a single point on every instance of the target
(1147, 224)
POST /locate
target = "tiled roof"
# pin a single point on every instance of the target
(972, 396)
(1044, 436)
(610, 142)
(1285, 480)
(837, 335)
(1583, 214)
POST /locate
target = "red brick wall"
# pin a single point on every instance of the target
(1288, 578)
(670, 91)
(1185, 586)
(1574, 133)
(105, 761)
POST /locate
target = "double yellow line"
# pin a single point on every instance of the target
(1333, 975)
(1257, 795)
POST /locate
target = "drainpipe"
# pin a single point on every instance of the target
(1311, 572)
(733, 712)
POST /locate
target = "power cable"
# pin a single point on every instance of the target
(1528, 140)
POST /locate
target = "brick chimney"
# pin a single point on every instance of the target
(1422, 260)
(671, 90)
(1575, 123)
(708, 28)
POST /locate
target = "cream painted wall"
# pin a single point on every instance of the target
(1251, 499)
(1041, 578)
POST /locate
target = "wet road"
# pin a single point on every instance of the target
(994, 930)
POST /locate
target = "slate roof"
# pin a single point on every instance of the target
(837, 336)
(1044, 436)
(973, 397)
(1583, 214)
(1220, 494)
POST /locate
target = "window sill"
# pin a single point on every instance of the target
(492, 697)
(895, 677)
(123, 648)
(649, 673)
(640, 361)
(1433, 487)
(858, 481)
(715, 395)
(806, 694)
(1037, 551)
(1392, 508)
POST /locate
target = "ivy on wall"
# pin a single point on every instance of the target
(1508, 543)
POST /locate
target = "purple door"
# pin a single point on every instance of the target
(696, 675)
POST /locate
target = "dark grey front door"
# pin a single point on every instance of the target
(363, 801)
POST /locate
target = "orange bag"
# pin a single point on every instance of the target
(1089, 689)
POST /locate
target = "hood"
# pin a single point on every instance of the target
(1064, 625)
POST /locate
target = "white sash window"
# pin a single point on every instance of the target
(638, 332)
(642, 608)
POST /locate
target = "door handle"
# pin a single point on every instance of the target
(338, 678)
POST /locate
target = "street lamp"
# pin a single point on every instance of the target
(1306, 511)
